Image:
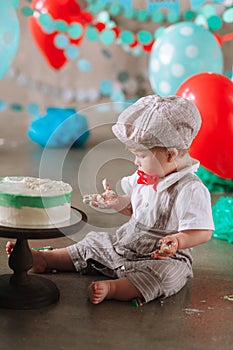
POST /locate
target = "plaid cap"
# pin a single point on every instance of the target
(155, 121)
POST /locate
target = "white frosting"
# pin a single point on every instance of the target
(31, 186)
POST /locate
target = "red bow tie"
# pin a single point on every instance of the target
(148, 179)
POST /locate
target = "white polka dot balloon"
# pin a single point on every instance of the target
(9, 36)
(184, 49)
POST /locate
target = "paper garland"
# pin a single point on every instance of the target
(137, 42)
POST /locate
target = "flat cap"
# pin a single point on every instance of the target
(155, 121)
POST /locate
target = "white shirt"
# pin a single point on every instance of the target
(191, 210)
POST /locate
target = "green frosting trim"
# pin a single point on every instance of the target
(19, 201)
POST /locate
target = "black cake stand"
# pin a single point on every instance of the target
(21, 290)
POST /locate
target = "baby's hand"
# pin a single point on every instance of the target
(107, 200)
(168, 246)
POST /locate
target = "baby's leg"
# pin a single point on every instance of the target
(118, 289)
(57, 259)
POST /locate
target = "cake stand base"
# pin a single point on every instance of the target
(22, 290)
(37, 293)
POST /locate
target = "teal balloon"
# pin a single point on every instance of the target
(9, 35)
(184, 49)
(59, 127)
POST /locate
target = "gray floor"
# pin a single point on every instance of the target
(198, 317)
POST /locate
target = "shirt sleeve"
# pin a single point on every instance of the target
(128, 183)
(194, 209)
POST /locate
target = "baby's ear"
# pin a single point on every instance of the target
(172, 153)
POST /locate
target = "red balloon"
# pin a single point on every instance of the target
(66, 10)
(212, 93)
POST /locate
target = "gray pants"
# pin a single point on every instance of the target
(152, 277)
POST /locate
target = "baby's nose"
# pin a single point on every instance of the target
(136, 161)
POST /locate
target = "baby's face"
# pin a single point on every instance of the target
(151, 162)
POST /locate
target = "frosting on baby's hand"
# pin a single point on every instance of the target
(108, 195)
(167, 247)
(106, 200)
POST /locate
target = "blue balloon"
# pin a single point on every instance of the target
(184, 49)
(9, 36)
(60, 127)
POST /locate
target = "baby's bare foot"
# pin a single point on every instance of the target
(98, 291)
(39, 261)
(9, 248)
